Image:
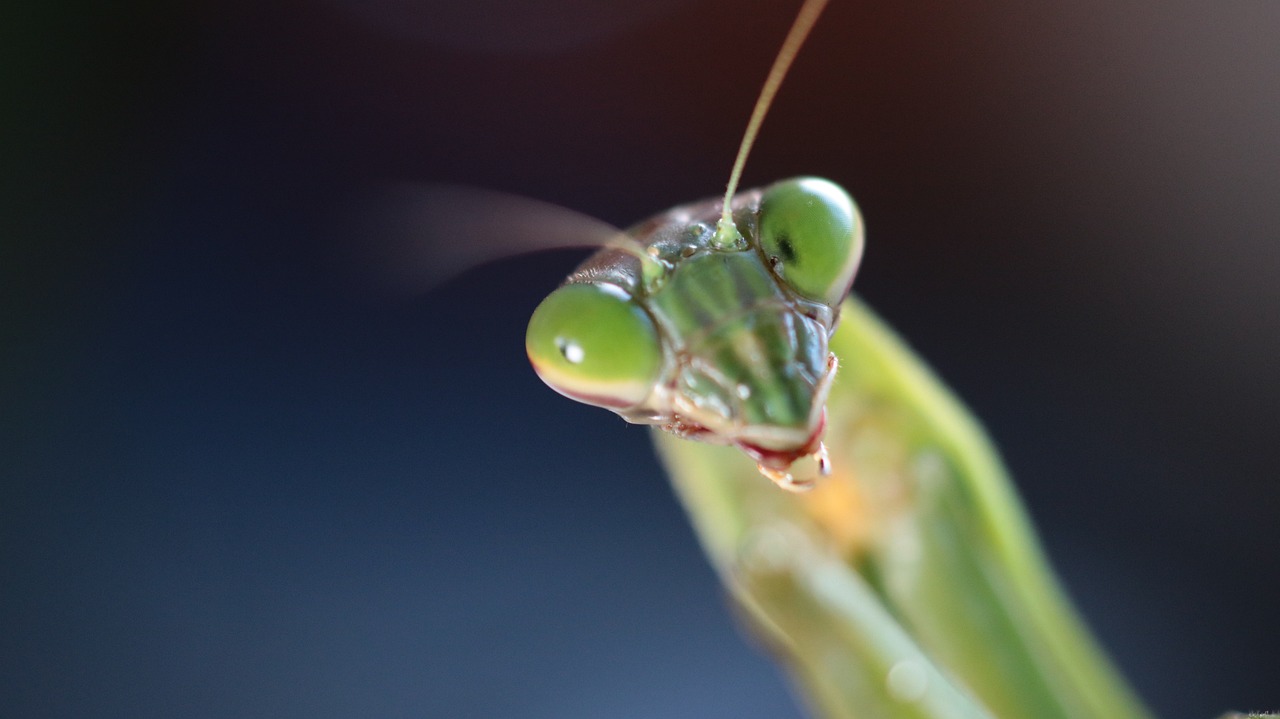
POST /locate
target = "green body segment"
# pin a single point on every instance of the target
(916, 536)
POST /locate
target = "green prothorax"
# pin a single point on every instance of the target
(721, 344)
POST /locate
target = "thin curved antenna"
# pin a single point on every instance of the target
(727, 233)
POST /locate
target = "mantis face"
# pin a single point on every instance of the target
(713, 342)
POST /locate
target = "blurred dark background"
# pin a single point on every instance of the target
(235, 483)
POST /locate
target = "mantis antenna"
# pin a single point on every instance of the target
(727, 234)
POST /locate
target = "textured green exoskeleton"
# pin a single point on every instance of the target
(724, 344)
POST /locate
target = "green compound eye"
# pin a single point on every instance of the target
(593, 343)
(813, 231)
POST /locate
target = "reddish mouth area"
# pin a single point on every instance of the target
(782, 459)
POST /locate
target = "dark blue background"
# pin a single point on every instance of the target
(236, 483)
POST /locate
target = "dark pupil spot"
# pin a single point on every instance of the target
(786, 249)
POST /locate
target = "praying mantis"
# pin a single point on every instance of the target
(899, 577)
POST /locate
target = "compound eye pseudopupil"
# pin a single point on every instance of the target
(812, 229)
